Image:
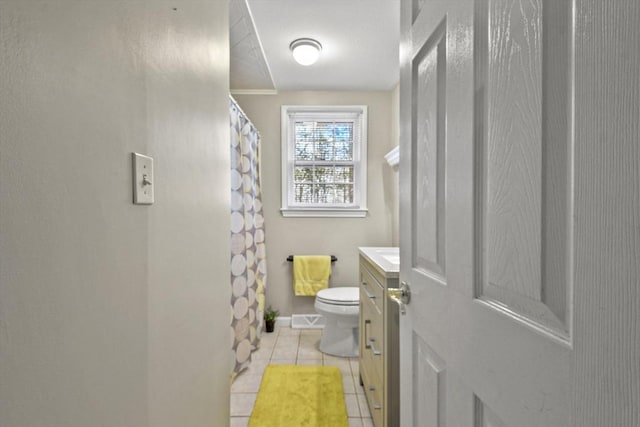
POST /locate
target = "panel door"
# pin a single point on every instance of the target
(486, 212)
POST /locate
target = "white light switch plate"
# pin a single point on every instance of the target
(142, 179)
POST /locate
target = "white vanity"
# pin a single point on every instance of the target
(379, 329)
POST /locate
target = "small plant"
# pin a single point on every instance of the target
(271, 314)
(270, 319)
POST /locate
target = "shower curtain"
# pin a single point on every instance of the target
(248, 254)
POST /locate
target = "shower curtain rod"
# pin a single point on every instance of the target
(236, 105)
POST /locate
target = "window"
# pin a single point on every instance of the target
(324, 154)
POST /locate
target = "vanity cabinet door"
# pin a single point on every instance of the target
(372, 343)
(373, 390)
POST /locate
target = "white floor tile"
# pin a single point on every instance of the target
(287, 341)
(355, 366)
(355, 422)
(242, 404)
(268, 341)
(347, 383)
(284, 353)
(367, 422)
(282, 362)
(262, 353)
(310, 344)
(334, 360)
(309, 362)
(352, 405)
(239, 422)
(288, 331)
(364, 407)
(311, 332)
(309, 353)
(310, 339)
(256, 367)
(343, 365)
(246, 383)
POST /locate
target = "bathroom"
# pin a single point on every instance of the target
(336, 236)
(117, 314)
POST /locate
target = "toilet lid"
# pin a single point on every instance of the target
(339, 296)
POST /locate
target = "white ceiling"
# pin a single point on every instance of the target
(360, 40)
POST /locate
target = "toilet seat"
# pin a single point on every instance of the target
(346, 296)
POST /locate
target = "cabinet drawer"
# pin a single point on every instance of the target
(371, 289)
(374, 394)
(372, 337)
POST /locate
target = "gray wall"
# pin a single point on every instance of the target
(337, 236)
(113, 314)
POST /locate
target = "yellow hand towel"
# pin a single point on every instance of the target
(311, 274)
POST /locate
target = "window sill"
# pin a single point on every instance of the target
(324, 213)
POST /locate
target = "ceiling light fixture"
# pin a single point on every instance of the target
(305, 51)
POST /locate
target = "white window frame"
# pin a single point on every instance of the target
(289, 115)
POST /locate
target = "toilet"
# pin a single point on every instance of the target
(340, 308)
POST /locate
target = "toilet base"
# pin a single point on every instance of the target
(338, 340)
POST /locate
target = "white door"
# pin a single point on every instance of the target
(487, 214)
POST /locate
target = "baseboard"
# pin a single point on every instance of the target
(283, 321)
(307, 321)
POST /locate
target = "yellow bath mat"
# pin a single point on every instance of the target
(300, 396)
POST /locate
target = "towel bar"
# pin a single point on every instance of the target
(333, 258)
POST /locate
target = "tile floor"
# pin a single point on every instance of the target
(291, 347)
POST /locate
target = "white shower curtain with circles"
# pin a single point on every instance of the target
(248, 257)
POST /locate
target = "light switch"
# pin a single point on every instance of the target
(142, 179)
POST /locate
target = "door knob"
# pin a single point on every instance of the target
(401, 296)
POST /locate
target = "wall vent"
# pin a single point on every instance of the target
(307, 321)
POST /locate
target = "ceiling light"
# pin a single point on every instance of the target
(305, 51)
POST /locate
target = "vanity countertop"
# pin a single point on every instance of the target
(385, 259)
